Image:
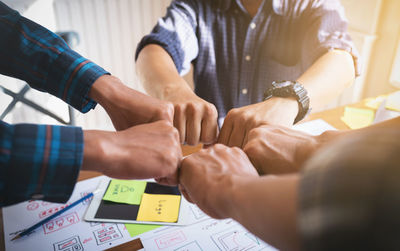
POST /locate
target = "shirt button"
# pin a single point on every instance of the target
(244, 91)
(248, 58)
(253, 26)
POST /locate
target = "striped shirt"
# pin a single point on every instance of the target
(235, 56)
(41, 161)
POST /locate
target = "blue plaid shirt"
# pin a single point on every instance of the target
(236, 57)
(41, 161)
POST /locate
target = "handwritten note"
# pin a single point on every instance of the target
(357, 118)
(159, 207)
(393, 102)
(125, 191)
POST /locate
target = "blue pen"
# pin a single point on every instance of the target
(52, 216)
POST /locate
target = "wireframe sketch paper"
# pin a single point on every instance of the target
(66, 232)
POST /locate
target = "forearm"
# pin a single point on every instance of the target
(328, 77)
(330, 136)
(157, 72)
(267, 206)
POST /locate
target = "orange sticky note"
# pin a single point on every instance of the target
(159, 207)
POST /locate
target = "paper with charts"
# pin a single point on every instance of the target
(64, 233)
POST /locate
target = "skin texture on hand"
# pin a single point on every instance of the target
(195, 118)
(208, 176)
(240, 121)
(140, 152)
(127, 107)
(278, 149)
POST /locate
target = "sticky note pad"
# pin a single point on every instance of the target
(374, 103)
(125, 191)
(357, 118)
(159, 207)
(136, 229)
(393, 102)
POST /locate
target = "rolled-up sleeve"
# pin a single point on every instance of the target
(38, 162)
(326, 29)
(176, 34)
(36, 55)
(349, 195)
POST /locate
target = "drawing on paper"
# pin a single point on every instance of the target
(50, 211)
(61, 222)
(236, 240)
(32, 206)
(198, 214)
(107, 234)
(170, 240)
(70, 244)
(191, 246)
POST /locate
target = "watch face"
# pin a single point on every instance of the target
(282, 84)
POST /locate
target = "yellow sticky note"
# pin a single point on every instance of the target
(374, 103)
(393, 102)
(125, 191)
(159, 207)
(357, 118)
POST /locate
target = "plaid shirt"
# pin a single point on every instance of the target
(236, 57)
(349, 194)
(41, 161)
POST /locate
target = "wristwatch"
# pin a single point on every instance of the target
(291, 89)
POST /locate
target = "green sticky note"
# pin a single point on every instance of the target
(125, 191)
(136, 229)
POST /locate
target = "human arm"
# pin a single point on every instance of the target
(277, 149)
(224, 184)
(324, 80)
(162, 57)
(329, 60)
(43, 161)
(32, 53)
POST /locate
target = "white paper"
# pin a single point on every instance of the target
(314, 127)
(66, 232)
(208, 234)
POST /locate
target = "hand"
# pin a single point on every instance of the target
(195, 118)
(239, 121)
(278, 149)
(140, 152)
(208, 177)
(127, 107)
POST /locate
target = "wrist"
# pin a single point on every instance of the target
(106, 90)
(289, 105)
(94, 150)
(172, 92)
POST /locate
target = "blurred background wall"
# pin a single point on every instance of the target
(109, 31)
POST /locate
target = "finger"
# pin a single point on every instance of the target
(209, 130)
(180, 123)
(225, 132)
(193, 126)
(245, 138)
(237, 136)
(209, 125)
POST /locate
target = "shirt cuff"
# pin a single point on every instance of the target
(45, 163)
(338, 44)
(75, 75)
